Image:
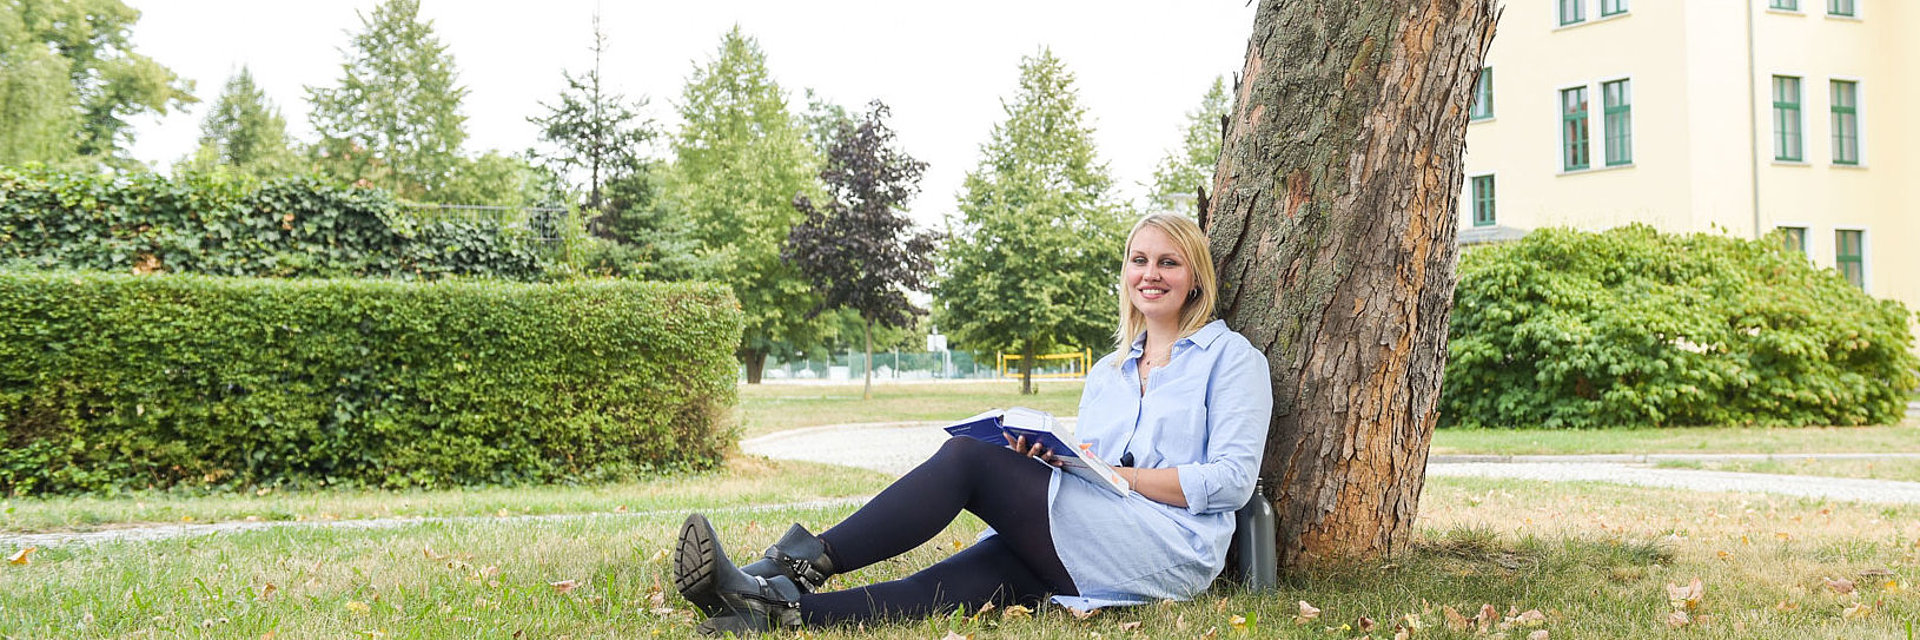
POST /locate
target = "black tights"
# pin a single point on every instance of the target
(1002, 487)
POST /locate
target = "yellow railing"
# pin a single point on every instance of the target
(1075, 365)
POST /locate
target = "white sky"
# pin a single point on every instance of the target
(943, 67)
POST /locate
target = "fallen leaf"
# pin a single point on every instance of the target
(270, 635)
(1531, 618)
(952, 635)
(1455, 621)
(1842, 586)
(1239, 623)
(620, 508)
(1787, 606)
(659, 555)
(1129, 626)
(1538, 635)
(1220, 606)
(1365, 624)
(1180, 622)
(21, 556)
(1856, 610)
(1488, 616)
(1412, 621)
(431, 555)
(1687, 597)
(1211, 632)
(1082, 615)
(564, 586)
(266, 593)
(357, 606)
(1402, 633)
(490, 572)
(1308, 613)
(1678, 619)
(1015, 612)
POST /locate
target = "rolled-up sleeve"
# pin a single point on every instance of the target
(1239, 408)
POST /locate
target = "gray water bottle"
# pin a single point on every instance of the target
(1253, 535)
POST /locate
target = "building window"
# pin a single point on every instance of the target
(1617, 121)
(1483, 95)
(1794, 239)
(1483, 201)
(1573, 128)
(1847, 255)
(1786, 118)
(1840, 8)
(1572, 12)
(1784, 5)
(1846, 122)
(1612, 7)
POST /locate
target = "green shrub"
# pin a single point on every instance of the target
(223, 225)
(114, 382)
(1631, 327)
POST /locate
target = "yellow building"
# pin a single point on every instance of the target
(1735, 116)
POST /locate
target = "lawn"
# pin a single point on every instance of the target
(1594, 561)
(766, 408)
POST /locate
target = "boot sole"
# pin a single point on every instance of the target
(693, 566)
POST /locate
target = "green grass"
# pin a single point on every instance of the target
(1873, 439)
(767, 408)
(1903, 470)
(1594, 559)
(742, 482)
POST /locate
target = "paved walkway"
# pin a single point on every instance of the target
(895, 448)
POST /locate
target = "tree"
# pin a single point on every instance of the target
(394, 121)
(1183, 173)
(857, 248)
(244, 132)
(1036, 248)
(596, 131)
(85, 113)
(738, 162)
(1334, 228)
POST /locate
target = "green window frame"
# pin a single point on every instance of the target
(1846, 121)
(1840, 8)
(1617, 121)
(1483, 213)
(1573, 128)
(1786, 119)
(1482, 96)
(1612, 7)
(1573, 12)
(1848, 256)
(1784, 5)
(1794, 239)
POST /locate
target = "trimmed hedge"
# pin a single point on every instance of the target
(220, 225)
(1632, 327)
(112, 382)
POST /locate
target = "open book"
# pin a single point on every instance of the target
(999, 426)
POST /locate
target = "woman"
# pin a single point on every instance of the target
(1183, 405)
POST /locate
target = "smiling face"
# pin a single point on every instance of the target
(1157, 277)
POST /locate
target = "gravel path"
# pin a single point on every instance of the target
(896, 447)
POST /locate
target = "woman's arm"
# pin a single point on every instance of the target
(1158, 485)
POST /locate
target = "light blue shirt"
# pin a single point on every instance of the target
(1204, 414)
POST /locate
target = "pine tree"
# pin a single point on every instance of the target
(1181, 174)
(394, 121)
(244, 132)
(739, 160)
(1036, 249)
(596, 131)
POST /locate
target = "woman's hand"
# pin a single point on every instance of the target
(1032, 450)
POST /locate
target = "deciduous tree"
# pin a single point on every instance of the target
(1036, 246)
(1185, 171)
(394, 119)
(738, 161)
(858, 247)
(105, 83)
(1333, 226)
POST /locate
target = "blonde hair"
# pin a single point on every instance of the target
(1192, 244)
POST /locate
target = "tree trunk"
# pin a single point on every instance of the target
(867, 394)
(1333, 221)
(756, 361)
(1026, 367)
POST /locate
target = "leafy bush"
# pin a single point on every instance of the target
(225, 225)
(1631, 327)
(117, 381)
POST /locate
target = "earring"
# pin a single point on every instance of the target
(1193, 294)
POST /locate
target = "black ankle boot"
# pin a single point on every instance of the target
(800, 556)
(733, 601)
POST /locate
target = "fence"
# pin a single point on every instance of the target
(850, 366)
(1053, 365)
(546, 224)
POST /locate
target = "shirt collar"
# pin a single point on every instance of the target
(1202, 338)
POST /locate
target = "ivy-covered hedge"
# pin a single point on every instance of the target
(112, 382)
(1632, 327)
(221, 225)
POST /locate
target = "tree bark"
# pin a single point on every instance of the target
(1332, 222)
(756, 362)
(1026, 367)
